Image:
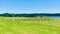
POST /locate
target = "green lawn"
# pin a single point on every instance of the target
(21, 25)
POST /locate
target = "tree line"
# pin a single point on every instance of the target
(28, 15)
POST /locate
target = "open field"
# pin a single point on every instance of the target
(21, 25)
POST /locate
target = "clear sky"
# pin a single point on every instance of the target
(29, 6)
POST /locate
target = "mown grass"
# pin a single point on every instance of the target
(21, 25)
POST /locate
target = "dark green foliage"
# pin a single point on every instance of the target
(18, 15)
(28, 15)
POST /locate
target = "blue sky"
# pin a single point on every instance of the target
(29, 6)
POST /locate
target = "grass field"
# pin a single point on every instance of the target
(21, 25)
